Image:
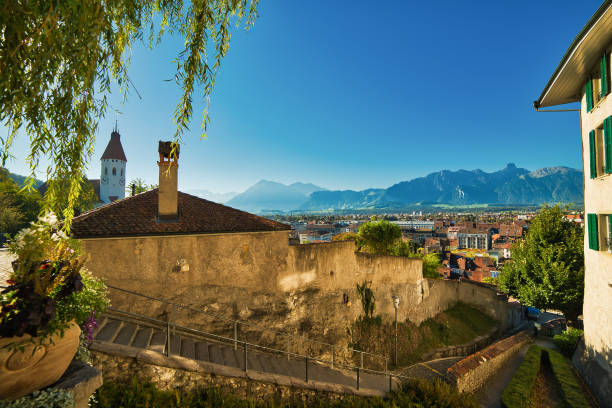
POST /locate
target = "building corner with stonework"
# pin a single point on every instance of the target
(583, 75)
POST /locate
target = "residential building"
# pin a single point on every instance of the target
(475, 240)
(415, 224)
(583, 75)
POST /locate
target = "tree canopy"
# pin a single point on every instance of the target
(547, 267)
(379, 237)
(385, 238)
(59, 59)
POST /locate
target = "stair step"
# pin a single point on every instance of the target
(188, 348)
(229, 357)
(254, 362)
(201, 351)
(125, 334)
(108, 331)
(142, 337)
(295, 368)
(214, 354)
(266, 365)
(100, 322)
(175, 341)
(158, 341)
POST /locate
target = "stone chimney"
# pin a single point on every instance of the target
(167, 209)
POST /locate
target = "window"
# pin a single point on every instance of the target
(605, 229)
(106, 170)
(600, 149)
(598, 86)
(122, 172)
(114, 171)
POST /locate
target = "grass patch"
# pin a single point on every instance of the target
(520, 391)
(457, 325)
(135, 394)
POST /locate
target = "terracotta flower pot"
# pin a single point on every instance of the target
(22, 373)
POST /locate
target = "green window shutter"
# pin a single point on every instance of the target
(605, 75)
(593, 235)
(592, 154)
(588, 89)
(608, 143)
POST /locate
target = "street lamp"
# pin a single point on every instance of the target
(396, 301)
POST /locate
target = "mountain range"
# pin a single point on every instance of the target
(270, 196)
(509, 186)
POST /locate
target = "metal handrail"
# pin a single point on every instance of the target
(252, 326)
(245, 345)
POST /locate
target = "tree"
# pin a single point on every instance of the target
(547, 267)
(379, 237)
(11, 218)
(27, 204)
(59, 58)
(139, 186)
(85, 201)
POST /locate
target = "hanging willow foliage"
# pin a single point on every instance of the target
(58, 59)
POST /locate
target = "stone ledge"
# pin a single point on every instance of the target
(473, 371)
(154, 358)
(81, 380)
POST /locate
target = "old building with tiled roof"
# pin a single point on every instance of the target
(138, 216)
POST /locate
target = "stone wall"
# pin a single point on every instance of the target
(466, 349)
(170, 373)
(473, 372)
(306, 290)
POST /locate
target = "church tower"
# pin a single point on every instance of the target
(112, 175)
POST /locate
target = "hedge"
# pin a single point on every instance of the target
(517, 393)
(571, 390)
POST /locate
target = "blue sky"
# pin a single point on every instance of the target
(357, 94)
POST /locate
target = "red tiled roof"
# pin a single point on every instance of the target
(114, 150)
(137, 216)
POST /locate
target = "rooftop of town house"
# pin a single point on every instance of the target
(137, 216)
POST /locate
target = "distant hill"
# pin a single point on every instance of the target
(272, 196)
(19, 179)
(209, 195)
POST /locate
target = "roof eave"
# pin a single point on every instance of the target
(542, 100)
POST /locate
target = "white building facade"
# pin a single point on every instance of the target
(583, 75)
(112, 170)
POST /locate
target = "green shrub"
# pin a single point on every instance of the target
(517, 394)
(415, 394)
(568, 340)
(571, 390)
(49, 398)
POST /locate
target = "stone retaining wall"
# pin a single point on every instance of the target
(120, 363)
(466, 349)
(473, 372)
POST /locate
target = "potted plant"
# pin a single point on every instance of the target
(49, 295)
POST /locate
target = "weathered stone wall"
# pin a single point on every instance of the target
(437, 295)
(306, 290)
(170, 373)
(473, 372)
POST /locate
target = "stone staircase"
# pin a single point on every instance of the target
(141, 334)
